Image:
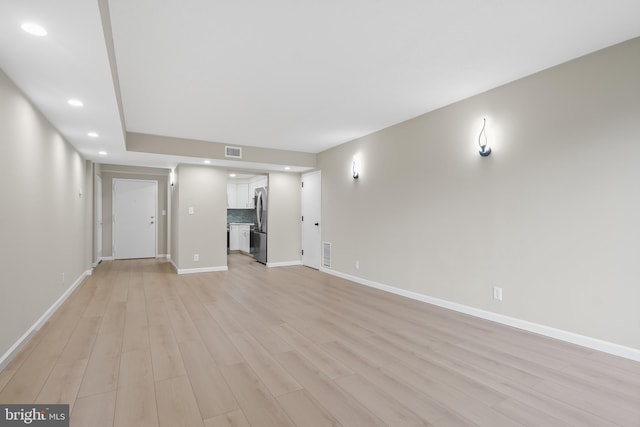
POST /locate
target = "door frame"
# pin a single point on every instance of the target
(302, 233)
(99, 217)
(113, 214)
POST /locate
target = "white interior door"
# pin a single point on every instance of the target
(98, 196)
(311, 219)
(134, 218)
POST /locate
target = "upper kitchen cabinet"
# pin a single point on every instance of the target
(257, 182)
(240, 191)
(238, 196)
(231, 195)
(242, 196)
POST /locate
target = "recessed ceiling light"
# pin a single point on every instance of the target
(287, 168)
(93, 134)
(75, 102)
(102, 153)
(207, 162)
(34, 29)
(232, 175)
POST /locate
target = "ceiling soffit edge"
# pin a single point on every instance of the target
(167, 145)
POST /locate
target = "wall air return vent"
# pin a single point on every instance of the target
(233, 152)
(326, 254)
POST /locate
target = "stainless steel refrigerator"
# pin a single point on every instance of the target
(259, 233)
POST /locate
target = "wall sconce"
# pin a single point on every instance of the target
(485, 150)
(172, 178)
(355, 168)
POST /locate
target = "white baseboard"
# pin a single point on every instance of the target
(99, 260)
(196, 270)
(24, 339)
(284, 263)
(200, 270)
(162, 256)
(581, 340)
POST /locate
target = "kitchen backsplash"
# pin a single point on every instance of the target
(240, 215)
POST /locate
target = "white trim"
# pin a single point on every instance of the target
(200, 270)
(284, 264)
(581, 340)
(163, 256)
(104, 258)
(24, 339)
(99, 227)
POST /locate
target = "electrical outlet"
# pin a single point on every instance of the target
(357, 265)
(497, 293)
(62, 275)
(196, 257)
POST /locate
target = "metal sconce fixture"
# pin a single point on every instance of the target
(485, 150)
(355, 168)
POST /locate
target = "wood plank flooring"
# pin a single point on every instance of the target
(138, 345)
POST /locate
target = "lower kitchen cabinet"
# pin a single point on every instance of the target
(245, 238)
(239, 237)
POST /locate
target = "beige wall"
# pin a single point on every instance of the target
(214, 150)
(205, 232)
(111, 172)
(552, 216)
(45, 193)
(283, 234)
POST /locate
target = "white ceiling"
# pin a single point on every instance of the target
(286, 74)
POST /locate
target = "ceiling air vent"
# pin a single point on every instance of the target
(326, 254)
(233, 152)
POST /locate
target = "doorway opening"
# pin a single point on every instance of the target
(247, 218)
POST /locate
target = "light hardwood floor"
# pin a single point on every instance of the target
(138, 345)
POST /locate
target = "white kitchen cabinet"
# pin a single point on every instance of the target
(245, 237)
(238, 196)
(231, 195)
(256, 183)
(252, 192)
(239, 237)
(234, 237)
(242, 195)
